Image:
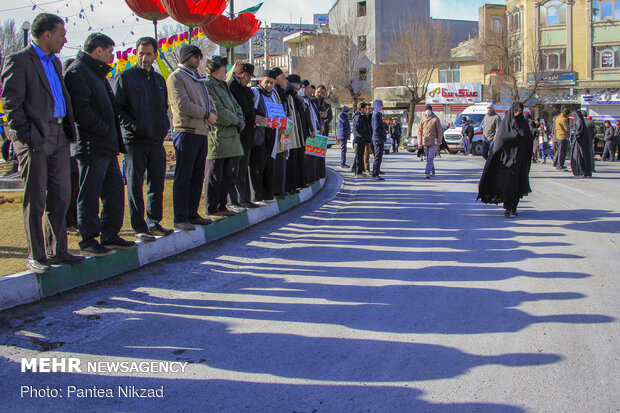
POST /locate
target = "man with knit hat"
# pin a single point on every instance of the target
(238, 82)
(224, 141)
(431, 135)
(562, 134)
(193, 117)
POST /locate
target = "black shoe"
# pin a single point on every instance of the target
(250, 205)
(428, 177)
(96, 250)
(507, 214)
(160, 231)
(119, 244)
(280, 197)
(381, 173)
(145, 237)
(377, 178)
(65, 258)
(200, 221)
(228, 213)
(39, 266)
(514, 213)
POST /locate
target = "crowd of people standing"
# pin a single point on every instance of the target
(70, 125)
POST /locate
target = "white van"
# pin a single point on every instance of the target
(476, 114)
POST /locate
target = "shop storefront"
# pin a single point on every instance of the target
(450, 99)
(602, 104)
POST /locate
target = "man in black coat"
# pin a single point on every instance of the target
(361, 137)
(39, 111)
(243, 74)
(395, 134)
(142, 102)
(99, 143)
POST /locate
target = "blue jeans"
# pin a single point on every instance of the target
(430, 152)
(487, 148)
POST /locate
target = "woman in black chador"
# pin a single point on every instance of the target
(506, 173)
(581, 148)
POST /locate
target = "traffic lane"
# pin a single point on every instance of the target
(285, 313)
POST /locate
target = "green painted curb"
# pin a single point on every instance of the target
(288, 202)
(66, 277)
(227, 226)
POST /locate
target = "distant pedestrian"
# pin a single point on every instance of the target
(467, 133)
(361, 137)
(379, 134)
(562, 134)
(580, 155)
(490, 124)
(343, 134)
(617, 138)
(506, 173)
(610, 143)
(396, 133)
(431, 134)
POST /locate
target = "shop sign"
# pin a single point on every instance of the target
(559, 78)
(601, 97)
(449, 93)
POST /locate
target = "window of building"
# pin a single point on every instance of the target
(450, 73)
(514, 19)
(361, 43)
(553, 12)
(496, 24)
(361, 8)
(607, 57)
(363, 74)
(553, 59)
(516, 64)
(605, 10)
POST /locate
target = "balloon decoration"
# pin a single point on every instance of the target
(230, 33)
(194, 13)
(147, 9)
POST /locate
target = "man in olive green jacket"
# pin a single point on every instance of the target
(224, 141)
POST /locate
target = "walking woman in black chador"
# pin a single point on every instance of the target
(506, 173)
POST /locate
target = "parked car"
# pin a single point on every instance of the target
(331, 140)
(410, 144)
(387, 146)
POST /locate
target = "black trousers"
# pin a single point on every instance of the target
(310, 164)
(46, 174)
(189, 175)
(75, 186)
(220, 179)
(240, 193)
(395, 144)
(379, 148)
(343, 152)
(261, 172)
(138, 160)
(279, 174)
(100, 178)
(560, 153)
(358, 161)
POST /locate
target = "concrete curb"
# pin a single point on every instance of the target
(27, 287)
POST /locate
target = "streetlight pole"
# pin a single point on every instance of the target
(26, 28)
(231, 51)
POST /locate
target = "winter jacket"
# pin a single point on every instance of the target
(93, 103)
(490, 124)
(142, 102)
(430, 131)
(561, 127)
(609, 134)
(468, 131)
(361, 129)
(323, 106)
(379, 132)
(245, 98)
(395, 130)
(190, 103)
(344, 127)
(224, 141)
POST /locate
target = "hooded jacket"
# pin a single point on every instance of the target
(93, 102)
(344, 127)
(379, 132)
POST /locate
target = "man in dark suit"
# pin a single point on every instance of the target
(39, 112)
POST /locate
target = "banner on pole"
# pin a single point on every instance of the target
(317, 146)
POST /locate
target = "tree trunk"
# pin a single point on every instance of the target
(412, 104)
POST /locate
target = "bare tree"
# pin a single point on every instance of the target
(506, 54)
(419, 46)
(10, 40)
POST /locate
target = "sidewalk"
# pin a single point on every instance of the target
(27, 287)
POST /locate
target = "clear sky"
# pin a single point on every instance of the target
(108, 13)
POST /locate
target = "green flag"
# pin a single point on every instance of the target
(252, 10)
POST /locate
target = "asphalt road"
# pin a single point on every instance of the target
(397, 296)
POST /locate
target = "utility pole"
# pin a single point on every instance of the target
(231, 52)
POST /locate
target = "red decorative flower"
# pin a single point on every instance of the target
(147, 9)
(194, 13)
(230, 33)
